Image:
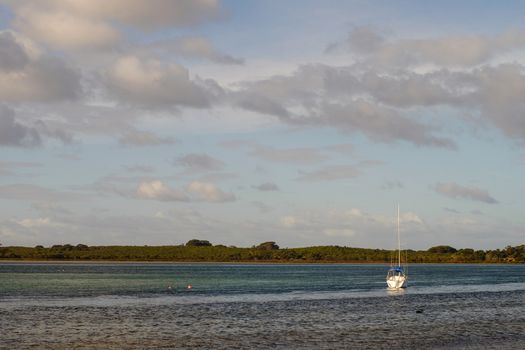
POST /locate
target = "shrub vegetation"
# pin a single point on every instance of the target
(202, 251)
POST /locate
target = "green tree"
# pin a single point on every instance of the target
(198, 243)
(442, 249)
(267, 246)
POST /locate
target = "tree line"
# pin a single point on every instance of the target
(203, 251)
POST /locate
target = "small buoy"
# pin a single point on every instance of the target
(189, 286)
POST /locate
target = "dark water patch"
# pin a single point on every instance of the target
(461, 321)
(260, 307)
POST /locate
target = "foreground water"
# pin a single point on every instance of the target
(148, 306)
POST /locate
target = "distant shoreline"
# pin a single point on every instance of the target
(199, 251)
(189, 262)
(123, 262)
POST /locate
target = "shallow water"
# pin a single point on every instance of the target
(141, 306)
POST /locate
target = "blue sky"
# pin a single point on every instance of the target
(300, 122)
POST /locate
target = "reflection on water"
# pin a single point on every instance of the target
(260, 307)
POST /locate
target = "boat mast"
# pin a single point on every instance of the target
(398, 239)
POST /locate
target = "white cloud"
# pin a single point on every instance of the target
(497, 95)
(95, 24)
(194, 47)
(65, 30)
(31, 223)
(15, 130)
(197, 162)
(410, 217)
(379, 123)
(454, 190)
(350, 100)
(195, 191)
(389, 104)
(152, 83)
(35, 76)
(147, 15)
(13, 57)
(454, 50)
(159, 191)
(354, 212)
(12, 133)
(288, 221)
(208, 192)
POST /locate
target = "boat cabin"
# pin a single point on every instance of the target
(395, 271)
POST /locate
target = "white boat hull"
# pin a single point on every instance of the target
(396, 282)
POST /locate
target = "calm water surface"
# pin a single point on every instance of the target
(147, 306)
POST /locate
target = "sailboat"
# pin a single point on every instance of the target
(396, 277)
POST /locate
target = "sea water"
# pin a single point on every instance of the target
(259, 306)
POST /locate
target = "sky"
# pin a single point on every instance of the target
(304, 122)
